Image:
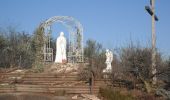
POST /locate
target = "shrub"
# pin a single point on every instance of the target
(109, 94)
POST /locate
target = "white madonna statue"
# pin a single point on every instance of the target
(109, 59)
(61, 49)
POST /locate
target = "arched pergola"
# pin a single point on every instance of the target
(75, 42)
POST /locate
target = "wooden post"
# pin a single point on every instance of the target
(92, 83)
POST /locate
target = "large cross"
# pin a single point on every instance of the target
(151, 11)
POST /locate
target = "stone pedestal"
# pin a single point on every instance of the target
(64, 68)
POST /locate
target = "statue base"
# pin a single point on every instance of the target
(64, 68)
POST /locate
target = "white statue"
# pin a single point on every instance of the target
(61, 49)
(109, 59)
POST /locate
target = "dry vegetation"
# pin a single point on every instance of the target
(131, 64)
(131, 69)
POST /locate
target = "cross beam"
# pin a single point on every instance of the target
(148, 9)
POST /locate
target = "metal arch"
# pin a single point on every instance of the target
(63, 19)
(75, 29)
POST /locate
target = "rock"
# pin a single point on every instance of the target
(163, 92)
(18, 71)
(89, 97)
(4, 84)
(75, 97)
(63, 68)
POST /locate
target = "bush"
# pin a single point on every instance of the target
(15, 49)
(109, 94)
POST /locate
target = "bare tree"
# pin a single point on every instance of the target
(137, 60)
(94, 52)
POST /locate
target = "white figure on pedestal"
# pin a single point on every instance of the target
(61, 49)
(109, 59)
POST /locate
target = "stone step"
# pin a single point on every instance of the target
(50, 86)
(48, 79)
(71, 83)
(36, 75)
(45, 86)
(48, 89)
(39, 79)
(46, 83)
(49, 92)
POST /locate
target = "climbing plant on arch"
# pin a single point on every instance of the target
(75, 41)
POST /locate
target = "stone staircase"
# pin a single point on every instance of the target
(45, 83)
